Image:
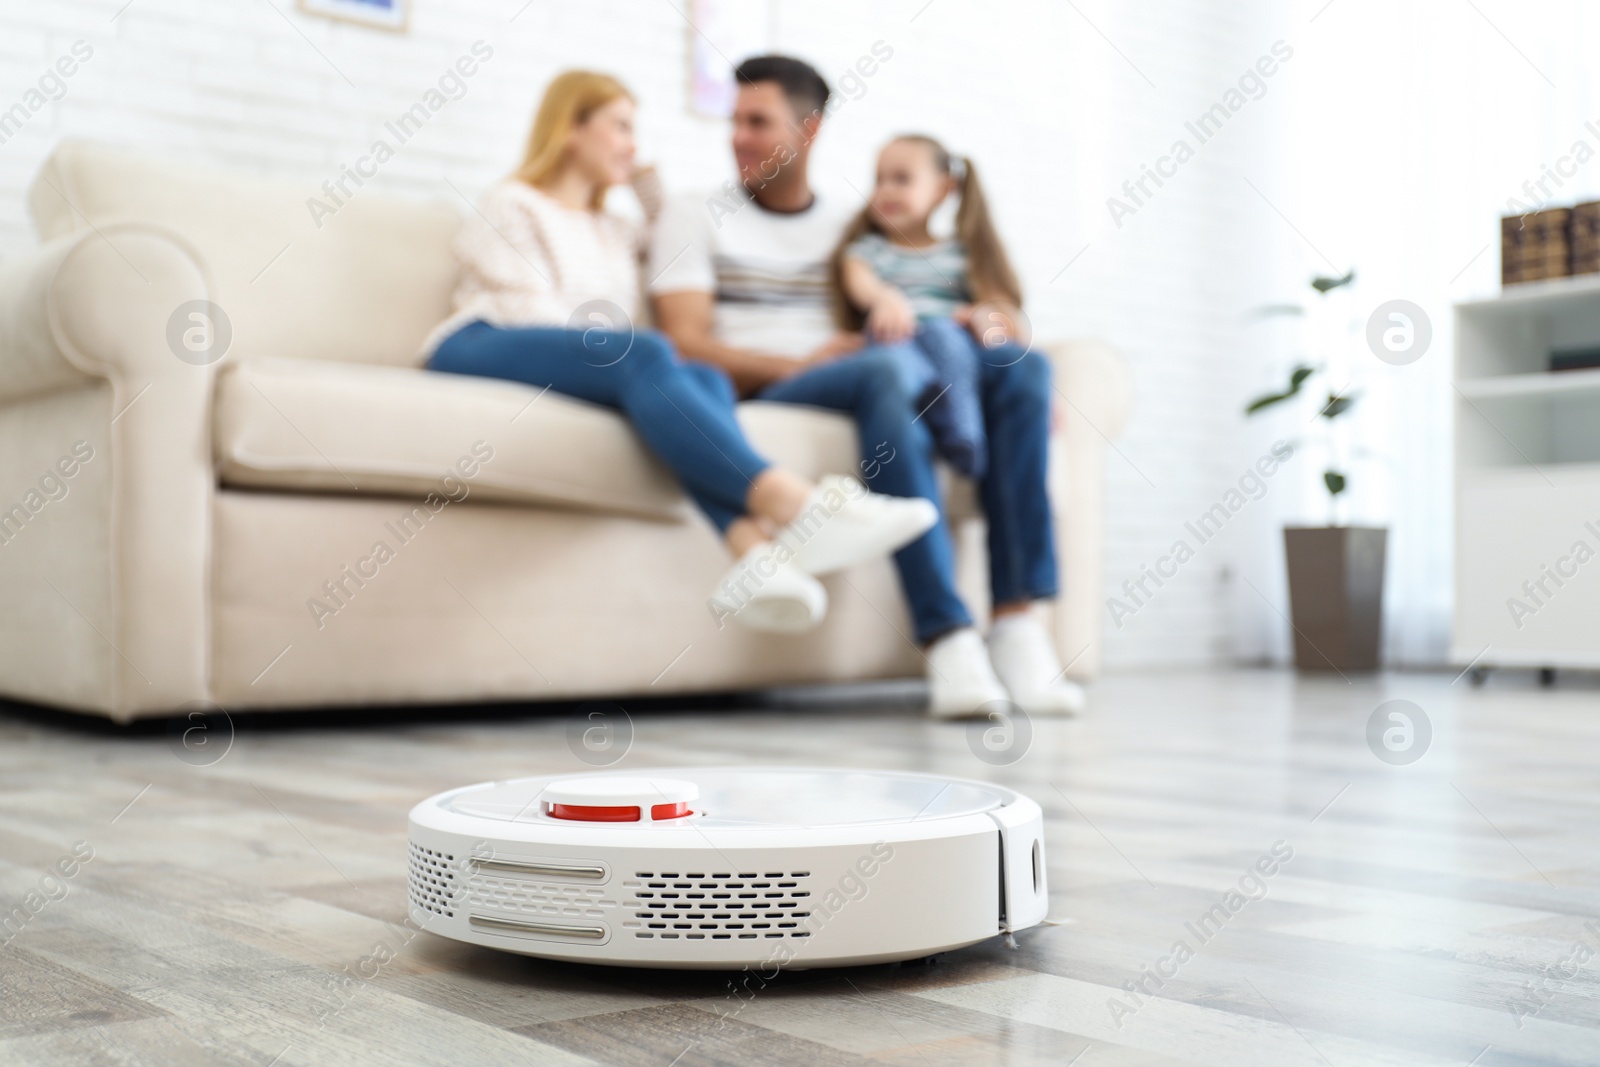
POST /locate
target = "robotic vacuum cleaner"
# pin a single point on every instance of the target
(728, 867)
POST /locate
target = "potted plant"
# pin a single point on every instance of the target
(1335, 571)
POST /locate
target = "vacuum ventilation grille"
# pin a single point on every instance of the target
(433, 880)
(537, 898)
(718, 906)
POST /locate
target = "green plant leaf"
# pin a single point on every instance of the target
(1296, 379)
(1323, 284)
(1334, 481)
(1337, 405)
(1267, 401)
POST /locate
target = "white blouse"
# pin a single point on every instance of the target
(526, 259)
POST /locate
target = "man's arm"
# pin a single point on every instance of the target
(682, 280)
(686, 317)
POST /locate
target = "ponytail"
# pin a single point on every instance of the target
(987, 262)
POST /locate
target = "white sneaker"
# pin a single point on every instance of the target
(1025, 659)
(961, 683)
(843, 523)
(764, 590)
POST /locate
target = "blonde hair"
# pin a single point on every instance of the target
(988, 267)
(568, 102)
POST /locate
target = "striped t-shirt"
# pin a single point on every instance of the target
(767, 270)
(933, 279)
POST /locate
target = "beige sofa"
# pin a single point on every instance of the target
(281, 527)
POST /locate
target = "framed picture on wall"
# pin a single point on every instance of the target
(721, 34)
(384, 14)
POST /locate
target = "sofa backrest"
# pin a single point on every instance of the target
(363, 279)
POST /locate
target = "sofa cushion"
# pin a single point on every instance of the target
(298, 425)
(352, 428)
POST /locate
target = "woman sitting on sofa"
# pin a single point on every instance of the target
(548, 290)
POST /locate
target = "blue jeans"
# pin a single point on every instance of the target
(878, 387)
(952, 405)
(684, 411)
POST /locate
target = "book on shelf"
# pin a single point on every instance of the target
(1535, 246)
(1584, 238)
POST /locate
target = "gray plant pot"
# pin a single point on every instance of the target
(1336, 595)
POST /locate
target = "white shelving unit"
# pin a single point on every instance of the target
(1527, 453)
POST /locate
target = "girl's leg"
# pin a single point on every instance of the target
(954, 411)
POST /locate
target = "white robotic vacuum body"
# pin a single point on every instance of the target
(728, 867)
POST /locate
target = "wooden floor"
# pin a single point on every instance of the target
(1445, 911)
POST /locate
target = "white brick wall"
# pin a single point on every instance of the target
(1035, 90)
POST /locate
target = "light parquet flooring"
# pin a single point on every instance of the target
(1442, 912)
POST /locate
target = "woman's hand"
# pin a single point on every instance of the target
(890, 317)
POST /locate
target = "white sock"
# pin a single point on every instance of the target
(1024, 658)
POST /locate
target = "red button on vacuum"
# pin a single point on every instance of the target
(587, 813)
(611, 813)
(606, 798)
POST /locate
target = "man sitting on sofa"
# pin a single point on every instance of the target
(741, 282)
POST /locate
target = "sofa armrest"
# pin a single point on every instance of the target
(92, 311)
(1093, 380)
(1094, 388)
(32, 360)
